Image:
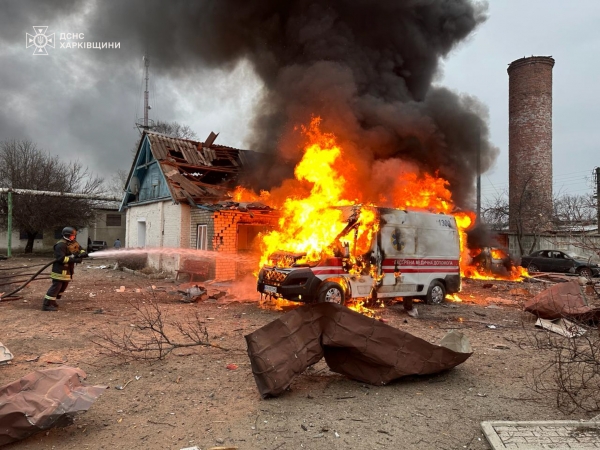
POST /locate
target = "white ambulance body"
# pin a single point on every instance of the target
(414, 254)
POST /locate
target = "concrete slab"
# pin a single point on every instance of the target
(541, 435)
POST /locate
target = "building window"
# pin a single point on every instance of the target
(23, 235)
(202, 237)
(113, 220)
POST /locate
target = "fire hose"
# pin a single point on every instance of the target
(3, 297)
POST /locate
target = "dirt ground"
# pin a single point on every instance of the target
(193, 399)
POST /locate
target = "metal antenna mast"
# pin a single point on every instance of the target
(146, 106)
(146, 123)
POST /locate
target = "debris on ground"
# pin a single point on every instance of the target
(5, 355)
(194, 293)
(520, 292)
(43, 399)
(563, 327)
(360, 347)
(563, 300)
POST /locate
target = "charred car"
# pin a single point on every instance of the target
(492, 259)
(410, 254)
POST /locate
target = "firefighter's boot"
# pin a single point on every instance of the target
(54, 303)
(47, 306)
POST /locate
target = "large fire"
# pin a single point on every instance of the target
(325, 179)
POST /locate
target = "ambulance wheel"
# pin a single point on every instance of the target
(331, 292)
(435, 294)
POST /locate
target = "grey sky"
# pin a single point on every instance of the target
(566, 30)
(82, 104)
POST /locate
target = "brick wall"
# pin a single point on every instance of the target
(200, 217)
(223, 238)
(530, 143)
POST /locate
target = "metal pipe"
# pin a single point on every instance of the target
(59, 194)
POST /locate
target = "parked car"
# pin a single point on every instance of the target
(97, 245)
(560, 261)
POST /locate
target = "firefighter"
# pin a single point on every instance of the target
(67, 253)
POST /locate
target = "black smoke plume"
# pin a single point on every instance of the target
(366, 67)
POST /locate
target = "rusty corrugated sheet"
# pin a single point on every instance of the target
(563, 300)
(352, 344)
(43, 399)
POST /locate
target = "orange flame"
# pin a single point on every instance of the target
(308, 224)
(453, 298)
(314, 208)
(244, 195)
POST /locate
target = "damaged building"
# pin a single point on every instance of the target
(177, 198)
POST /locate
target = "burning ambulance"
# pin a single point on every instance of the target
(378, 253)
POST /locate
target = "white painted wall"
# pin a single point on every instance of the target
(100, 231)
(39, 245)
(167, 226)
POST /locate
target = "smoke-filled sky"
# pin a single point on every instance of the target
(402, 83)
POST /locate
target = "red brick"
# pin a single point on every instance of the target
(530, 142)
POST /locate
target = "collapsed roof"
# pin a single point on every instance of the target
(194, 172)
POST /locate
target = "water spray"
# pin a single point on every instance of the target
(175, 251)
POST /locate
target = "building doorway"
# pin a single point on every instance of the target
(141, 237)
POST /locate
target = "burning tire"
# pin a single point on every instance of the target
(436, 293)
(331, 292)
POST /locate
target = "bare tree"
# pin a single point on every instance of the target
(115, 186)
(576, 217)
(572, 375)
(24, 166)
(175, 129)
(575, 210)
(499, 215)
(528, 218)
(495, 212)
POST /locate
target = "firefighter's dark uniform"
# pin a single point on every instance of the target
(66, 254)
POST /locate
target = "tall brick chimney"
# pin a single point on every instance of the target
(530, 143)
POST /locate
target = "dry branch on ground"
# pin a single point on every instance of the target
(152, 337)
